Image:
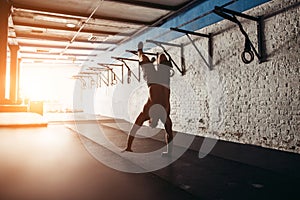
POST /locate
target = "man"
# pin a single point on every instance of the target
(157, 106)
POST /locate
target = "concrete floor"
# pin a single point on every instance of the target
(22, 119)
(53, 163)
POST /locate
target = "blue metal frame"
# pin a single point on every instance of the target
(179, 20)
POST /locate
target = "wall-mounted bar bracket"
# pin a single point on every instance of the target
(247, 55)
(81, 78)
(210, 46)
(130, 72)
(90, 75)
(181, 69)
(100, 77)
(103, 78)
(114, 76)
(99, 71)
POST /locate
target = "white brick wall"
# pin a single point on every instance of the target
(253, 104)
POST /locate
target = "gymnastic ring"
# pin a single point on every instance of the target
(244, 56)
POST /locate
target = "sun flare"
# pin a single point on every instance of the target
(47, 83)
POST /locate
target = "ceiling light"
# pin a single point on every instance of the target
(70, 25)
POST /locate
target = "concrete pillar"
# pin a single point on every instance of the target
(4, 13)
(18, 79)
(13, 73)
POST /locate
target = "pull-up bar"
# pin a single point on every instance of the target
(110, 64)
(82, 80)
(247, 55)
(225, 10)
(114, 77)
(136, 52)
(80, 76)
(122, 59)
(190, 32)
(97, 69)
(160, 44)
(209, 36)
(89, 75)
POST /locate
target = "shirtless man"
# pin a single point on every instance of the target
(158, 82)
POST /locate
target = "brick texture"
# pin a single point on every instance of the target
(255, 104)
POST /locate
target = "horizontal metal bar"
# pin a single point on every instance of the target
(108, 64)
(132, 51)
(97, 69)
(236, 13)
(163, 43)
(105, 68)
(146, 4)
(88, 73)
(121, 59)
(80, 76)
(190, 32)
(165, 51)
(135, 52)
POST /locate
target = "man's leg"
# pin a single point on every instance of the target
(168, 137)
(137, 124)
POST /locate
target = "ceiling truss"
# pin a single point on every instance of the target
(44, 25)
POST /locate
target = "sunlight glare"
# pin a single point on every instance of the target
(48, 83)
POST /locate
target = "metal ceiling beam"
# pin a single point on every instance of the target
(183, 8)
(58, 39)
(24, 24)
(60, 59)
(122, 20)
(74, 15)
(22, 44)
(57, 54)
(146, 4)
(172, 14)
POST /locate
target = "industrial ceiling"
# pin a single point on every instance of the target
(72, 31)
